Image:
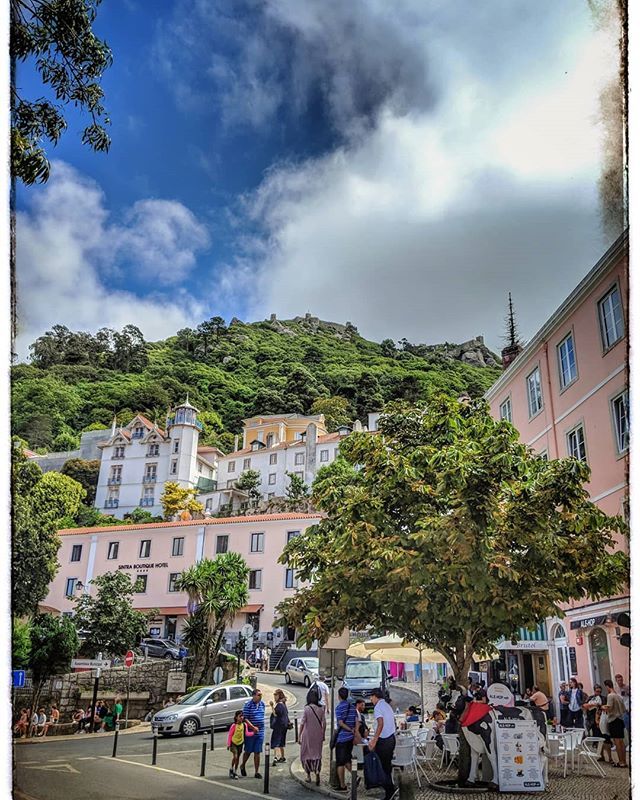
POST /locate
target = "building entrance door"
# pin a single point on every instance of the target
(170, 627)
(600, 662)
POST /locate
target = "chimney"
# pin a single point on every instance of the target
(357, 426)
(373, 421)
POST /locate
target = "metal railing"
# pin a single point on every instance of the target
(149, 478)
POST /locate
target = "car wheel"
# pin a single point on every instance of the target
(189, 727)
(307, 682)
(168, 655)
(287, 677)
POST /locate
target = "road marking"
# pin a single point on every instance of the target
(229, 787)
(86, 758)
(57, 768)
(166, 753)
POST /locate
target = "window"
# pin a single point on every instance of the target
(300, 475)
(238, 692)
(272, 478)
(299, 437)
(177, 548)
(76, 552)
(173, 577)
(271, 495)
(138, 432)
(153, 450)
(208, 504)
(246, 464)
(534, 392)
(140, 586)
(199, 467)
(222, 544)
(232, 466)
(255, 579)
(567, 361)
(575, 444)
(269, 440)
(112, 499)
(145, 548)
(292, 535)
(620, 409)
(231, 483)
(299, 458)
(150, 473)
(257, 542)
(610, 313)
(290, 581)
(176, 445)
(544, 455)
(70, 588)
(324, 455)
(505, 410)
(115, 475)
(147, 498)
(112, 552)
(174, 466)
(118, 451)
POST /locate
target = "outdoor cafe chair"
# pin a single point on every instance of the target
(451, 745)
(573, 743)
(557, 748)
(591, 750)
(405, 756)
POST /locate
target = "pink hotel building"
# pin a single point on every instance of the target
(156, 553)
(567, 394)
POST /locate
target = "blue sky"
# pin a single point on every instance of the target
(400, 165)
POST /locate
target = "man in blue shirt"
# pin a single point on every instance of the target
(346, 717)
(254, 715)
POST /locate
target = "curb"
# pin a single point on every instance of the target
(298, 774)
(141, 726)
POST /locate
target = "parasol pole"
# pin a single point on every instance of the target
(421, 684)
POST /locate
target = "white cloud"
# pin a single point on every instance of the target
(66, 251)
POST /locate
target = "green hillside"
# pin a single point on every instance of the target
(76, 381)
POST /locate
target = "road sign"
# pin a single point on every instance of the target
(90, 663)
(218, 675)
(332, 663)
(247, 630)
(129, 658)
(18, 678)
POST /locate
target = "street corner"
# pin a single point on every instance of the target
(269, 689)
(298, 774)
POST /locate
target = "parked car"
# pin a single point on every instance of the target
(160, 648)
(361, 677)
(302, 670)
(203, 708)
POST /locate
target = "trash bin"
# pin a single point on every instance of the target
(253, 680)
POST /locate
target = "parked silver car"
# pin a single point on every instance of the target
(202, 708)
(302, 670)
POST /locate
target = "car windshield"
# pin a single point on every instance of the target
(310, 663)
(362, 669)
(195, 697)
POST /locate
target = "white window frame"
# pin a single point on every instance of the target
(506, 405)
(74, 583)
(111, 547)
(324, 456)
(257, 543)
(272, 478)
(246, 464)
(176, 445)
(534, 412)
(566, 381)
(624, 397)
(573, 432)
(290, 579)
(299, 459)
(231, 467)
(145, 578)
(273, 458)
(147, 554)
(606, 345)
(231, 483)
(174, 466)
(270, 440)
(257, 573)
(219, 537)
(299, 474)
(179, 540)
(175, 576)
(292, 535)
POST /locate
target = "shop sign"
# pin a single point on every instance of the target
(589, 622)
(517, 746)
(146, 565)
(521, 644)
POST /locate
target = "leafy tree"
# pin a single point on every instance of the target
(40, 503)
(85, 473)
(65, 441)
(174, 500)
(112, 625)
(20, 643)
(337, 411)
(58, 35)
(54, 642)
(296, 493)
(388, 348)
(249, 482)
(140, 516)
(466, 533)
(217, 589)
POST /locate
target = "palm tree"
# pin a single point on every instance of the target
(217, 590)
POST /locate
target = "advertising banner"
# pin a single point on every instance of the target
(517, 746)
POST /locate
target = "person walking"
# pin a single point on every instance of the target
(383, 741)
(257, 658)
(577, 698)
(346, 719)
(279, 725)
(238, 734)
(311, 735)
(615, 719)
(254, 715)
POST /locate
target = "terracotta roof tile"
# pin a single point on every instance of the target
(254, 518)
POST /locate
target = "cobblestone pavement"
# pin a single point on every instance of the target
(615, 786)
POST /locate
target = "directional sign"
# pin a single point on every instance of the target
(18, 678)
(129, 658)
(90, 663)
(247, 630)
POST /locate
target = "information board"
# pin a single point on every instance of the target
(518, 749)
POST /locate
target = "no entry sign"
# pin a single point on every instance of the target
(129, 658)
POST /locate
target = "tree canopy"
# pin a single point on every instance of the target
(86, 473)
(448, 531)
(176, 499)
(57, 36)
(54, 642)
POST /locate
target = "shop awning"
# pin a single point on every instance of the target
(253, 608)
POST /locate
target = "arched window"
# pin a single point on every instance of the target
(559, 636)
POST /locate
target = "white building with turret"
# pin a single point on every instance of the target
(139, 458)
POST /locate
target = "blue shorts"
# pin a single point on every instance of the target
(253, 744)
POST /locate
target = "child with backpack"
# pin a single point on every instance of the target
(235, 742)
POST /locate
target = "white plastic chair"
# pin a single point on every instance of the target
(556, 750)
(451, 745)
(405, 756)
(591, 750)
(573, 743)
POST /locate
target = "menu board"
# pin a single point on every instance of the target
(517, 745)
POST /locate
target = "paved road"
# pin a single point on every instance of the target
(81, 768)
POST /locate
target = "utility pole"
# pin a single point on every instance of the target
(95, 695)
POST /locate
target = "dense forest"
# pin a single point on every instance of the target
(77, 381)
